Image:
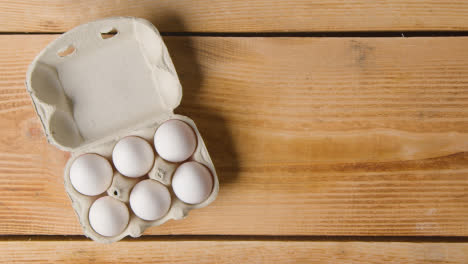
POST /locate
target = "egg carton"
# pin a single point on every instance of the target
(101, 82)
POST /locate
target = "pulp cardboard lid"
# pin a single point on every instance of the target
(88, 85)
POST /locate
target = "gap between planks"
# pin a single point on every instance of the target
(355, 34)
(265, 238)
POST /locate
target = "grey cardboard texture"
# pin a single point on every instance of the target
(103, 81)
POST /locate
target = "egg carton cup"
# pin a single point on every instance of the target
(101, 82)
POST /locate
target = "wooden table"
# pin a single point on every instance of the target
(337, 138)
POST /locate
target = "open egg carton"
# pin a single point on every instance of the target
(106, 91)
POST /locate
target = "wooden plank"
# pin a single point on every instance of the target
(310, 136)
(194, 251)
(241, 16)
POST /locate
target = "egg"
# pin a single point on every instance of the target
(150, 200)
(192, 182)
(175, 141)
(91, 174)
(108, 216)
(133, 156)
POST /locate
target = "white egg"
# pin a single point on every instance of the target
(192, 182)
(175, 141)
(91, 174)
(108, 216)
(133, 156)
(150, 200)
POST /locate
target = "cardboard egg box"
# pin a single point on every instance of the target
(101, 82)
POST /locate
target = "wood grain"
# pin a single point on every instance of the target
(241, 16)
(310, 136)
(193, 251)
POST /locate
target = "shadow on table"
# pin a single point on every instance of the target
(210, 122)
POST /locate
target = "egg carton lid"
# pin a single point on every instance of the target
(101, 80)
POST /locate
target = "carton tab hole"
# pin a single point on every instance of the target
(106, 34)
(66, 51)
